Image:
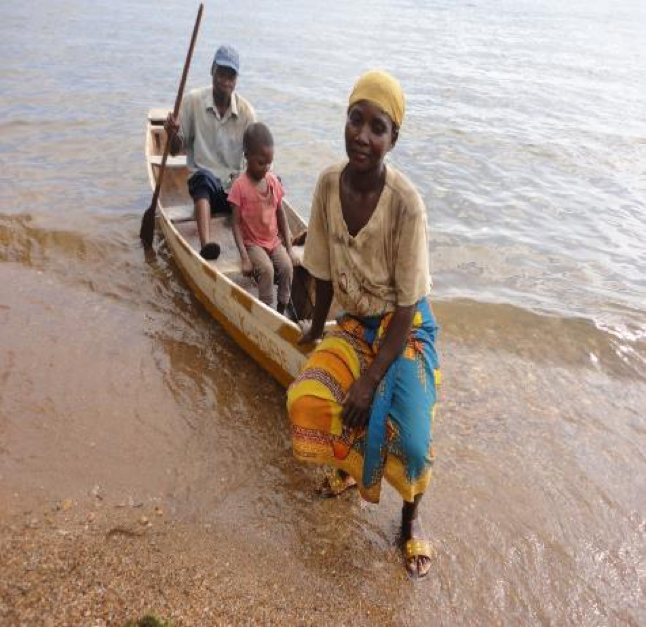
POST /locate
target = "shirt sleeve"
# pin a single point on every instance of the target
(316, 257)
(251, 116)
(235, 193)
(412, 275)
(186, 121)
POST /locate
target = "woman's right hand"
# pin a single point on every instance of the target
(309, 337)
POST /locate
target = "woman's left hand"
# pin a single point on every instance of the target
(356, 408)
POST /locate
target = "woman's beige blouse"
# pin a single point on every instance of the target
(386, 264)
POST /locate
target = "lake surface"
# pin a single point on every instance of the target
(526, 135)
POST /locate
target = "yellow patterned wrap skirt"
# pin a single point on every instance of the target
(398, 441)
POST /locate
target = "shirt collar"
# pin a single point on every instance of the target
(233, 106)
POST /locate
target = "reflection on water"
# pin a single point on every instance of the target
(524, 137)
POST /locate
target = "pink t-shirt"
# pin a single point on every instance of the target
(258, 212)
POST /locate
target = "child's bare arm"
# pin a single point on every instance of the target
(247, 266)
(283, 227)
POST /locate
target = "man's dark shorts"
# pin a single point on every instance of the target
(204, 184)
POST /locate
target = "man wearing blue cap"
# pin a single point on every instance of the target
(212, 121)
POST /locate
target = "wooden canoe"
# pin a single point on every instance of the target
(268, 337)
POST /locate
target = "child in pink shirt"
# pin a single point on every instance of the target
(259, 220)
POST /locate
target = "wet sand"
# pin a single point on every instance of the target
(138, 474)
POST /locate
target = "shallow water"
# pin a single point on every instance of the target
(526, 136)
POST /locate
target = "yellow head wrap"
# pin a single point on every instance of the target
(383, 90)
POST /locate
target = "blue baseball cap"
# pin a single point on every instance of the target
(227, 56)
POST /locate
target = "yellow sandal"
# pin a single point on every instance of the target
(417, 548)
(335, 484)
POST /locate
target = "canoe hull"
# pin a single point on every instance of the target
(270, 342)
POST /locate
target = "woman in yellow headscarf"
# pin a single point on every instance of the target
(364, 403)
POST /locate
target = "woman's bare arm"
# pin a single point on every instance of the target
(322, 304)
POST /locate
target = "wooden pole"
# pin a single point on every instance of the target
(148, 220)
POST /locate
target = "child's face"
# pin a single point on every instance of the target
(369, 135)
(259, 161)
